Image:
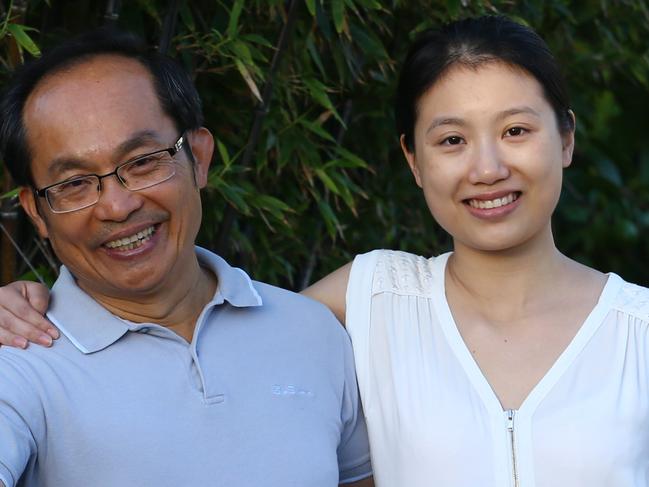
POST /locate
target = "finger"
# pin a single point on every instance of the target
(36, 294)
(23, 312)
(9, 339)
(15, 304)
(15, 326)
(38, 297)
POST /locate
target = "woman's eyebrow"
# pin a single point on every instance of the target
(517, 111)
(445, 121)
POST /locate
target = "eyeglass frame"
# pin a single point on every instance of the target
(172, 151)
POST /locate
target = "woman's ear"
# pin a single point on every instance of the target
(568, 141)
(410, 157)
(30, 205)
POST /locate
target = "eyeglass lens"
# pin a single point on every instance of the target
(84, 191)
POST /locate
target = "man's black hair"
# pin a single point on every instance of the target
(175, 91)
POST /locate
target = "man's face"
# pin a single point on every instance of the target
(90, 119)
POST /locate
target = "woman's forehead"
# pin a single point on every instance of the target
(469, 88)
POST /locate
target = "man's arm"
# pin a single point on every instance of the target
(22, 306)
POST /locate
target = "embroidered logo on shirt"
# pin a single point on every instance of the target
(290, 390)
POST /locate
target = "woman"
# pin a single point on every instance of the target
(503, 363)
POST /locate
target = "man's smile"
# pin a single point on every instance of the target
(133, 241)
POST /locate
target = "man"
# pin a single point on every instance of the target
(173, 368)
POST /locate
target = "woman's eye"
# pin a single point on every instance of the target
(452, 140)
(515, 131)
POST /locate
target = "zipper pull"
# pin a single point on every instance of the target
(510, 420)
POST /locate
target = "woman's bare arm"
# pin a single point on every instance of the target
(22, 306)
(331, 291)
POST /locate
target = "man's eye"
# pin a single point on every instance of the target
(74, 185)
(144, 163)
(147, 164)
(452, 140)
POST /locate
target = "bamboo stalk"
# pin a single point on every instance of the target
(261, 110)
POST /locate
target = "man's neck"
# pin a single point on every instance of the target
(177, 305)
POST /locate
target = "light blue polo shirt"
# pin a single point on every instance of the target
(264, 396)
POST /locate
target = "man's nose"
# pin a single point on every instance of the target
(116, 202)
(488, 164)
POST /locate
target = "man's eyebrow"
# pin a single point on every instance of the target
(63, 164)
(137, 140)
(66, 163)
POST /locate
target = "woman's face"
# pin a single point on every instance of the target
(489, 156)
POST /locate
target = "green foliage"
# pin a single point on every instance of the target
(326, 178)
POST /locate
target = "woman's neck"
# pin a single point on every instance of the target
(512, 278)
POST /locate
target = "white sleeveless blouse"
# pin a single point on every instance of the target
(433, 419)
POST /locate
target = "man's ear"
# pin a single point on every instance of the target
(30, 205)
(201, 142)
(568, 141)
(410, 157)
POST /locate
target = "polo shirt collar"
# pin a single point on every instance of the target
(91, 327)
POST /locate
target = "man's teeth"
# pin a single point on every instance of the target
(495, 203)
(132, 242)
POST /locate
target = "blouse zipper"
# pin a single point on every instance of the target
(512, 442)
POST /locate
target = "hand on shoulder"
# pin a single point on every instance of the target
(22, 306)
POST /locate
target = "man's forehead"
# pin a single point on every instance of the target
(97, 69)
(91, 108)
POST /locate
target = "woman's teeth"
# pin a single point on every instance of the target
(132, 242)
(495, 203)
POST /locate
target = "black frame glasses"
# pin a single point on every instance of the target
(47, 191)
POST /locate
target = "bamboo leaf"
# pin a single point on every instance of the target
(257, 39)
(317, 129)
(248, 79)
(318, 91)
(338, 14)
(234, 18)
(329, 217)
(223, 151)
(19, 32)
(310, 5)
(269, 202)
(187, 17)
(235, 196)
(344, 164)
(352, 158)
(242, 51)
(10, 194)
(328, 182)
(313, 51)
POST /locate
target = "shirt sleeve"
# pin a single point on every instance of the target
(353, 451)
(359, 312)
(20, 414)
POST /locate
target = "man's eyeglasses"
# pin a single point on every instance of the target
(139, 173)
